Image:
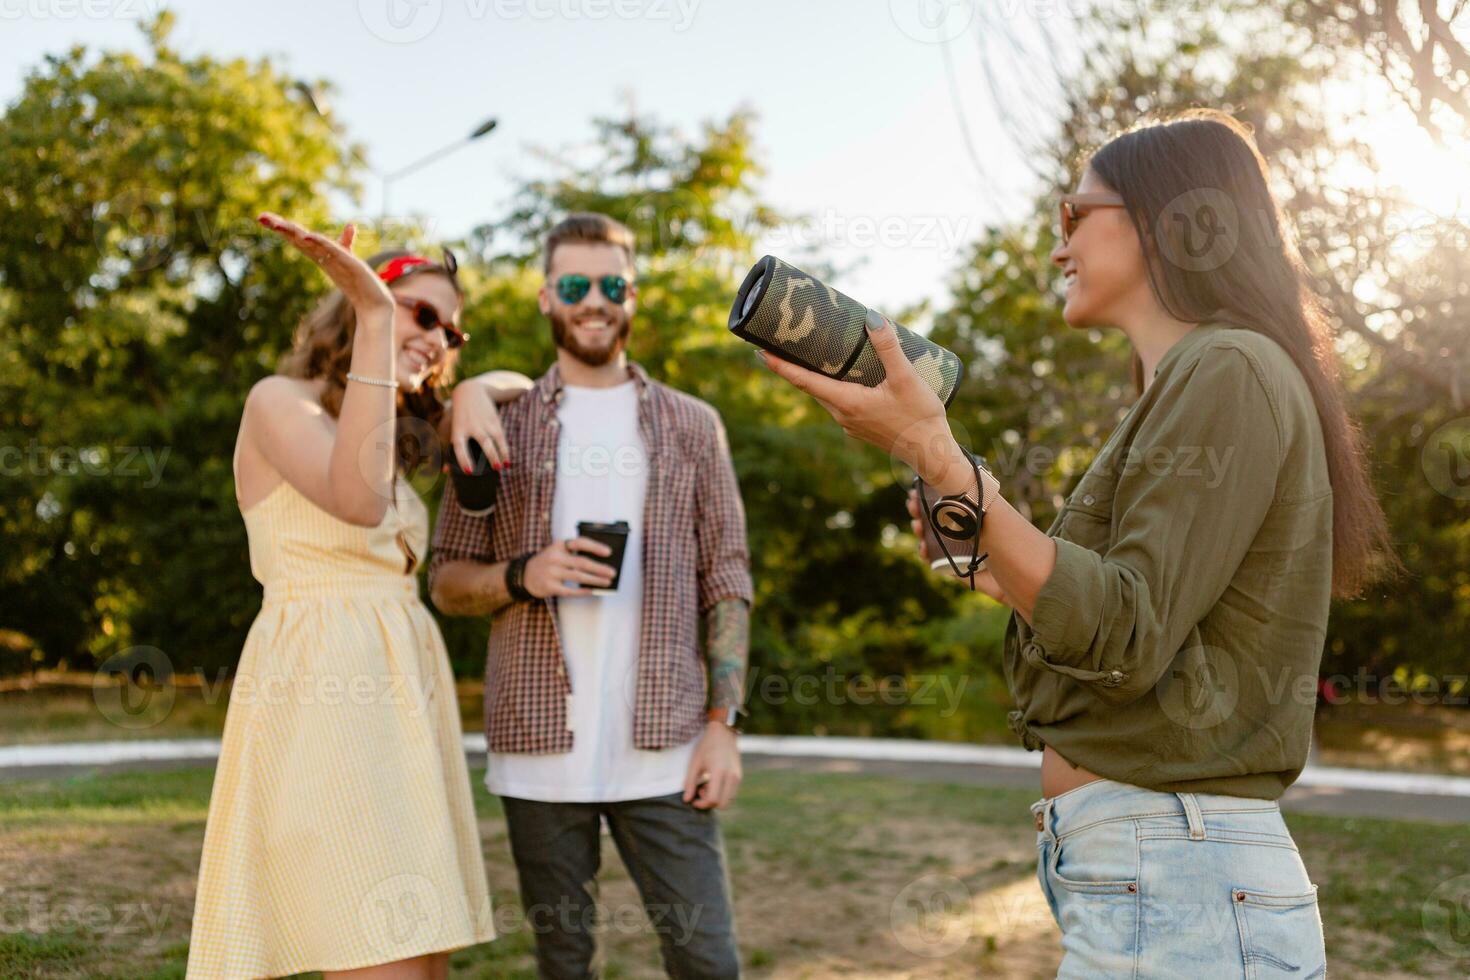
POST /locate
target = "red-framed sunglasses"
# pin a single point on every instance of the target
(427, 317)
(1075, 206)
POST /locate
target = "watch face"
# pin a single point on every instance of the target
(954, 519)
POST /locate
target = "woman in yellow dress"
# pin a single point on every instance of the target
(341, 833)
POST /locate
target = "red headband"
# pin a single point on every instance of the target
(396, 268)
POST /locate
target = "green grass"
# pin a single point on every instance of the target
(69, 712)
(952, 705)
(946, 704)
(97, 875)
(1374, 878)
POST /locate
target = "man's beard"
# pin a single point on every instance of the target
(563, 333)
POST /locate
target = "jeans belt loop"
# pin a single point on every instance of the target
(1043, 817)
(1193, 815)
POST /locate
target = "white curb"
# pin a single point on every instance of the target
(860, 749)
(108, 753)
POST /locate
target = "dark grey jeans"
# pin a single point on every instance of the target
(675, 856)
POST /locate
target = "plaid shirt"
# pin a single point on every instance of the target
(694, 555)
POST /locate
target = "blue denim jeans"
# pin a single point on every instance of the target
(1151, 884)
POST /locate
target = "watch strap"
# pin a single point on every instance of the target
(515, 579)
(988, 488)
(725, 716)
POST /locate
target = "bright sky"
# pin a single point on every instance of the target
(857, 126)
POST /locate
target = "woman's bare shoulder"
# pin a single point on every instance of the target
(277, 395)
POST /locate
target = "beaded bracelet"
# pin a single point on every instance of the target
(380, 382)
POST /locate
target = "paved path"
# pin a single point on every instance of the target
(1341, 792)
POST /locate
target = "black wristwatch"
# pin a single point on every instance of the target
(515, 578)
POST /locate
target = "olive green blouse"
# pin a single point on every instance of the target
(1177, 642)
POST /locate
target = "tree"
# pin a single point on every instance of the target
(140, 304)
(1398, 280)
(835, 592)
(1312, 76)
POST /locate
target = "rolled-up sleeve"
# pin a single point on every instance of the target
(458, 536)
(723, 553)
(1191, 496)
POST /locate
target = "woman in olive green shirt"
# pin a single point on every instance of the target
(1169, 626)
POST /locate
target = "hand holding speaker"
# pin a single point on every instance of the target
(802, 319)
(883, 383)
(901, 415)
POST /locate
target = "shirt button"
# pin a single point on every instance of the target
(545, 515)
(1088, 500)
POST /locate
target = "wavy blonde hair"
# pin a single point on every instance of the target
(322, 348)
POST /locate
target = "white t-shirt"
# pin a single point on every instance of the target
(601, 476)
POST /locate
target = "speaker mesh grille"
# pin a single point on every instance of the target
(808, 321)
(939, 368)
(802, 316)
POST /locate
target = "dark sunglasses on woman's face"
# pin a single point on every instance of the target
(574, 287)
(427, 318)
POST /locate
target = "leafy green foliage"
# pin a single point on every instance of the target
(835, 590)
(139, 302)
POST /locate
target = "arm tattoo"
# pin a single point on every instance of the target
(728, 652)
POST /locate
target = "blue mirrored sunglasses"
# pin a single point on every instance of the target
(574, 287)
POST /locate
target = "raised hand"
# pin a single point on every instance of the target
(355, 278)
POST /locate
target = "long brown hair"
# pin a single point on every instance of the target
(1204, 163)
(322, 348)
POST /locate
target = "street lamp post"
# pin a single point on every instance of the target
(483, 129)
(315, 100)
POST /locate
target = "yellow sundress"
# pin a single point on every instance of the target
(341, 827)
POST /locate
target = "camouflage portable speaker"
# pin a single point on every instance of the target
(783, 310)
